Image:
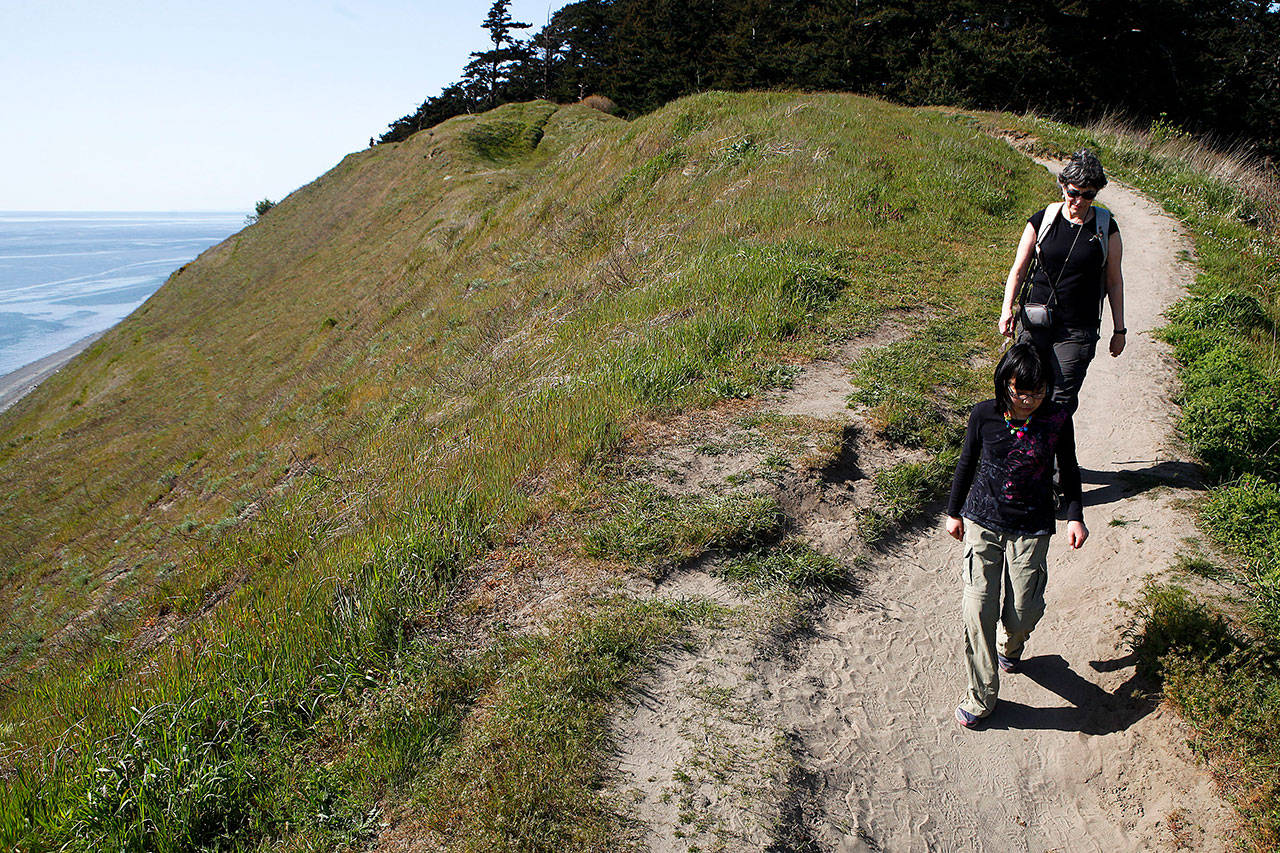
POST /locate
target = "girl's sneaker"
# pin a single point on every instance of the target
(964, 718)
(1010, 665)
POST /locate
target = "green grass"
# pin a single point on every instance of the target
(917, 393)
(793, 565)
(662, 532)
(512, 137)
(262, 497)
(525, 776)
(1244, 517)
(746, 531)
(903, 490)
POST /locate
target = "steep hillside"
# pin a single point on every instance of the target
(253, 364)
(394, 286)
(252, 505)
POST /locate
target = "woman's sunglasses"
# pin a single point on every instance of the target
(1089, 195)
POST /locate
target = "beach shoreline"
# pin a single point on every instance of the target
(16, 385)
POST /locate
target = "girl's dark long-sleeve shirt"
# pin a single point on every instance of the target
(1005, 483)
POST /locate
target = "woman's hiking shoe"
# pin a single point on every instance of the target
(964, 718)
(1009, 665)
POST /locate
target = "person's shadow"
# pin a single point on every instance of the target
(1092, 711)
(1118, 485)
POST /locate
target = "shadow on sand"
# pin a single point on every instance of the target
(1091, 711)
(1118, 485)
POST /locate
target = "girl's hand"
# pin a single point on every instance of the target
(955, 527)
(1076, 534)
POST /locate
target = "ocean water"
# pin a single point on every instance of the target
(64, 276)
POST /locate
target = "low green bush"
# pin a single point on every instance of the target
(1245, 517)
(1234, 426)
(1220, 366)
(1189, 342)
(1225, 686)
(1231, 405)
(1235, 312)
(1169, 620)
(1233, 706)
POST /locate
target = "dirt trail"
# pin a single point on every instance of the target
(851, 742)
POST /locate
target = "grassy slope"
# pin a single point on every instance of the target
(266, 355)
(258, 490)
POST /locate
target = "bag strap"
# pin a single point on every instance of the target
(1024, 288)
(1102, 224)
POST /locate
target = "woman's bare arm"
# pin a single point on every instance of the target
(1115, 291)
(1021, 261)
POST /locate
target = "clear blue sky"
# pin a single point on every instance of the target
(182, 105)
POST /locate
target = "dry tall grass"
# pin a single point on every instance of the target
(1234, 164)
(601, 103)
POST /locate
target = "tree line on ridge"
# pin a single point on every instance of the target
(1209, 66)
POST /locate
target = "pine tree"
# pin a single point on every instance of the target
(489, 69)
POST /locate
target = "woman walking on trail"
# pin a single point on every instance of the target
(1076, 250)
(1002, 508)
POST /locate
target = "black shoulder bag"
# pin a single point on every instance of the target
(1039, 315)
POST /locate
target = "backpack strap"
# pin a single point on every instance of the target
(1102, 224)
(1046, 222)
(1102, 227)
(1050, 215)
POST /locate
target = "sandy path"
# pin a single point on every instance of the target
(861, 713)
(1071, 760)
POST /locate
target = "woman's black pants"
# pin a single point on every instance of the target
(1069, 351)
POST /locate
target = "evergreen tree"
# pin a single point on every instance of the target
(489, 69)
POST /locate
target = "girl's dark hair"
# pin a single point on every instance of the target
(1084, 169)
(1028, 369)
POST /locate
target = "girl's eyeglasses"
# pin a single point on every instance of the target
(1026, 395)
(1088, 195)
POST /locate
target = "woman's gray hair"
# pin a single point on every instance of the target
(1084, 169)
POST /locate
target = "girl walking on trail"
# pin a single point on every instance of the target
(1002, 508)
